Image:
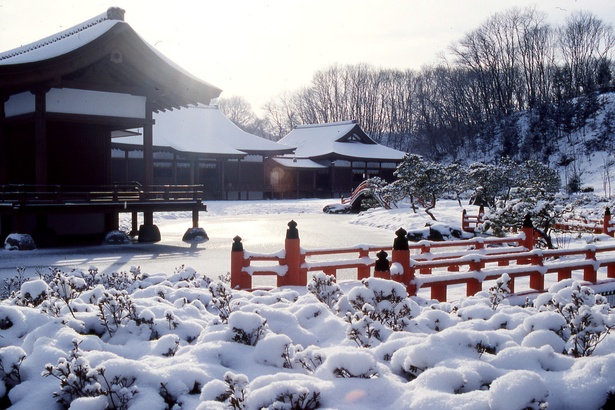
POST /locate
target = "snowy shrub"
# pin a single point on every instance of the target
(349, 364)
(290, 392)
(66, 288)
(235, 393)
(500, 291)
(275, 350)
(325, 288)
(436, 320)
(117, 280)
(384, 301)
(362, 329)
(589, 318)
(32, 293)
(518, 389)
(310, 359)
(11, 358)
(12, 284)
(248, 328)
(222, 300)
(115, 309)
(78, 379)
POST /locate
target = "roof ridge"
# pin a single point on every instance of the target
(328, 124)
(112, 13)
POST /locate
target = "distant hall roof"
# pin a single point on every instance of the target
(205, 130)
(127, 63)
(338, 140)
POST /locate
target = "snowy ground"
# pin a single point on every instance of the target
(163, 336)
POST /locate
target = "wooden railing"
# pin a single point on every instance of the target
(433, 265)
(58, 194)
(469, 222)
(597, 226)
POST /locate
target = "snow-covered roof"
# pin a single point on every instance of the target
(205, 130)
(338, 140)
(63, 42)
(141, 66)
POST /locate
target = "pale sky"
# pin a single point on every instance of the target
(259, 49)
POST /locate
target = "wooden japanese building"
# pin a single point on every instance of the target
(330, 160)
(200, 145)
(62, 99)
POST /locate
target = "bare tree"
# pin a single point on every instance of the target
(586, 43)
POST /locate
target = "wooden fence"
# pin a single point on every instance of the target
(597, 226)
(426, 264)
(470, 222)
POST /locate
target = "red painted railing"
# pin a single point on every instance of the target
(434, 265)
(604, 225)
(470, 222)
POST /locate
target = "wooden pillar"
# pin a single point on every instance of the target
(239, 278)
(401, 255)
(528, 230)
(438, 291)
(295, 275)
(134, 228)
(40, 138)
(537, 278)
(3, 144)
(606, 222)
(590, 274)
(148, 148)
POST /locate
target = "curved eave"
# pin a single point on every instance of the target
(335, 156)
(154, 76)
(268, 153)
(138, 147)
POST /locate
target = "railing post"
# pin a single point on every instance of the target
(606, 223)
(564, 274)
(382, 268)
(464, 221)
(473, 285)
(363, 271)
(401, 255)
(537, 279)
(239, 278)
(438, 291)
(528, 231)
(425, 248)
(590, 273)
(294, 275)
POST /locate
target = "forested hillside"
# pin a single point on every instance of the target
(515, 86)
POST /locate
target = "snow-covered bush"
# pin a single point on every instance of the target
(384, 301)
(248, 328)
(13, 284)
(78, 379)
(499, 292)
(222, 300)
(325, 288)
(11, 358)
(587, 315)
(168, 339)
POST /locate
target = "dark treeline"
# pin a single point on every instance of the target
(467, 106)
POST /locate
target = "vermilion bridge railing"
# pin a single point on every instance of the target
(434, 265)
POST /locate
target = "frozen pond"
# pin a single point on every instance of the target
(261, 224)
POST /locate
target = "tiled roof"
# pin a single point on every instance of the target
(339, 139)
(15, 55)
